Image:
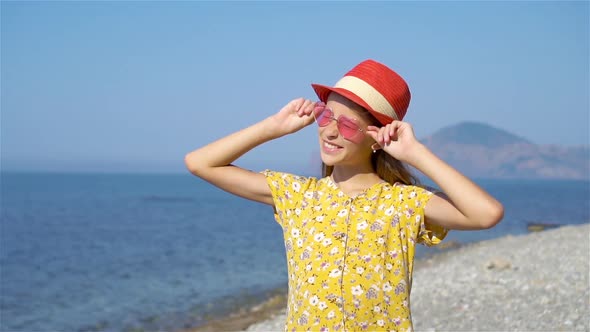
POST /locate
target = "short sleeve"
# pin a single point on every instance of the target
(415, 200)
(287, 193)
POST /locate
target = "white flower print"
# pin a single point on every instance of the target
(380, 322)
(331, 314)
(334, 251)
(342, 213)
(360, 270)
(295, 232)
(362, 225)
(389, 212)
(413, 194)
(319, 218)
(366, 208)
(327, 241)
(298, 211)
(308, 194)
(335, 273)
(308, 267)
(300, 243)
(322, 305)
(296, 186)
(387, 287)
(377, 308)
(319, 236)
(311, 280)
(377, 268)
(314, 300)
(380, 240)
(357, 290)
(388, 266)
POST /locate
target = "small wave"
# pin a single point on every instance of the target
(167, 199)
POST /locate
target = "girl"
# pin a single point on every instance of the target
(350, 236)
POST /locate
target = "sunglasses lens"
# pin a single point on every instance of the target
(347, 127)
(323, 115)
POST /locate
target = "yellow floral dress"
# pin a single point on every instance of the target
(349, 259)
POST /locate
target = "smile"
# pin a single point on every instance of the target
(330, 148)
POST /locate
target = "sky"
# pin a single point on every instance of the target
(133, 86)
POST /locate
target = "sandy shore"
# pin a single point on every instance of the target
(534, 282)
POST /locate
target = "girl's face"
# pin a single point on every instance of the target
(335, 148)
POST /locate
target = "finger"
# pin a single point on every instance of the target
(309, 108)
(374, 134)
(386, 134)
(372, 128)
(297, 103)
(393, 132)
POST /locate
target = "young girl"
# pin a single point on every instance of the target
(350, 236)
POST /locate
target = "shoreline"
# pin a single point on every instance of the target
(536, 281)
(239, 320)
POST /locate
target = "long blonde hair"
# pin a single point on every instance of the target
(387, 167)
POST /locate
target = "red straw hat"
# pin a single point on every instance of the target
(375, 87)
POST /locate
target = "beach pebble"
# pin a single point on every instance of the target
(498, 264)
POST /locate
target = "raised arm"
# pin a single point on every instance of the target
(466, 205)
(212, 162)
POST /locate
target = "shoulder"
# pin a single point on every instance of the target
(283, 179)
(419, 194)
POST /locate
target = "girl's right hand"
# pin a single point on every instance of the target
(294, 116)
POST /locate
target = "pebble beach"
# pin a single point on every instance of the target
(535, 282)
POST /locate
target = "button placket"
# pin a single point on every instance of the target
(348, 204)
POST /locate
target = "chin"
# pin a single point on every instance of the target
(329, 160)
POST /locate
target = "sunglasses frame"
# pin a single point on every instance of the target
(339, 122)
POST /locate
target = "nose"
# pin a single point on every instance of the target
(331, 130)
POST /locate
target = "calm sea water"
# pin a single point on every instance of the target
(98, 252)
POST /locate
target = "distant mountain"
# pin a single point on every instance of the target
(480, 150)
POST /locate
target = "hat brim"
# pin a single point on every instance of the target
(323, 92)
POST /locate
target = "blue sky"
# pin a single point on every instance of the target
(133, 86)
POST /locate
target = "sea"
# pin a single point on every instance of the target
(153, 252)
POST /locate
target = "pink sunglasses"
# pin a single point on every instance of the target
(347, 127)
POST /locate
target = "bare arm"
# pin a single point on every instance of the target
(212, 162)
(466, 205)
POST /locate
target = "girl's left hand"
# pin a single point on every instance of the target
(396, 138)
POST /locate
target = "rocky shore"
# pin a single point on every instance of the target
(534, 282)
